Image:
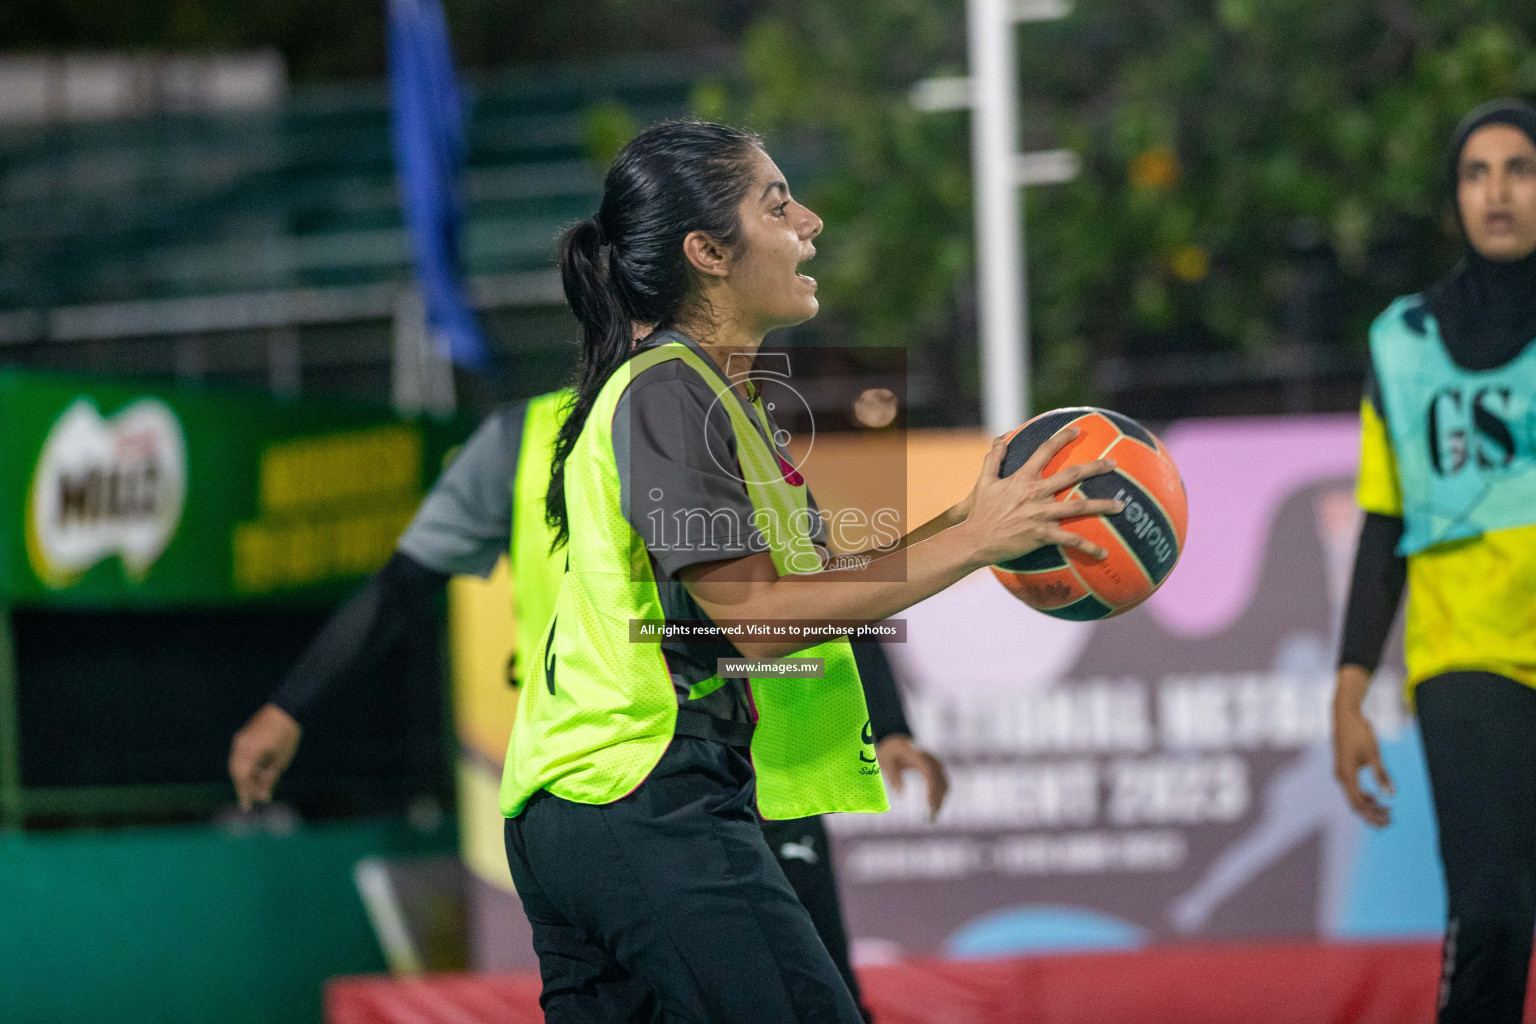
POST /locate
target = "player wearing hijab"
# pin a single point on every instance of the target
(1448, 484)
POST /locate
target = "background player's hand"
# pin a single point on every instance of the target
(1013, 515)
(1354, 747)
(260, 753)
(897, 753)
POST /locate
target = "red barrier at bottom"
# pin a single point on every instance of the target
(435, 999)
(1247, 984)
(1239, 984)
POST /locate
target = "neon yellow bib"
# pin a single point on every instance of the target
(535, 570)
(597, 711)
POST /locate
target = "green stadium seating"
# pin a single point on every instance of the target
(179, 205)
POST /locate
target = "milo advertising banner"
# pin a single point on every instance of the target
(116, 494)
(1164, 775)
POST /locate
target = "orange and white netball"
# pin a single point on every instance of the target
(1143, 541)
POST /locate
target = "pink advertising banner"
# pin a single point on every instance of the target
(1164, 775)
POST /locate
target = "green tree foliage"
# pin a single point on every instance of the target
(892, 183)
(1224, 144)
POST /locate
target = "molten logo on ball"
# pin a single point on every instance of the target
(1146, 527)
(1143, 540)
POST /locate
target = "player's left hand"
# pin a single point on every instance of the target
(960, 511)
(897, 753)
(260, 753)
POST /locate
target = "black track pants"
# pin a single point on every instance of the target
(1479, 733)
(805, 853)
(668, 904)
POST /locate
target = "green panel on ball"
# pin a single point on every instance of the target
(1083, 610)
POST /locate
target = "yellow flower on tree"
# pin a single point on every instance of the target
(1156, 169)
(1189, 263)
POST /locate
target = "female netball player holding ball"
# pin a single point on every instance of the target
(633, 778)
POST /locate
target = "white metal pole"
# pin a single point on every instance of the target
(999, 224)
(408, 386)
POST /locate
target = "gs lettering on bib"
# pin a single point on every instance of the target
(1464, 440)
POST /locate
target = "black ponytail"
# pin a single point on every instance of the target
(606, 333)
(626, 265)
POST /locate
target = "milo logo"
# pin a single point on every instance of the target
(1147, 525)
(103, 487)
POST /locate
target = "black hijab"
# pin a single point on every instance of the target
(1486, 308)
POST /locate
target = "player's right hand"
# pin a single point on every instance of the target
(1354, 749)
(1013, 515)
(897, 753)
(260, 753)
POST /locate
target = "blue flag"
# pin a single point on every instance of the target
(428, 119)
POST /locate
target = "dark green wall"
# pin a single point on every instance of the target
(186, 925)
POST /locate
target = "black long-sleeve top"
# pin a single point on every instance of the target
(1375, 589)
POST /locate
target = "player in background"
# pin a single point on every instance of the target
(479, 510)
(1448, 485)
